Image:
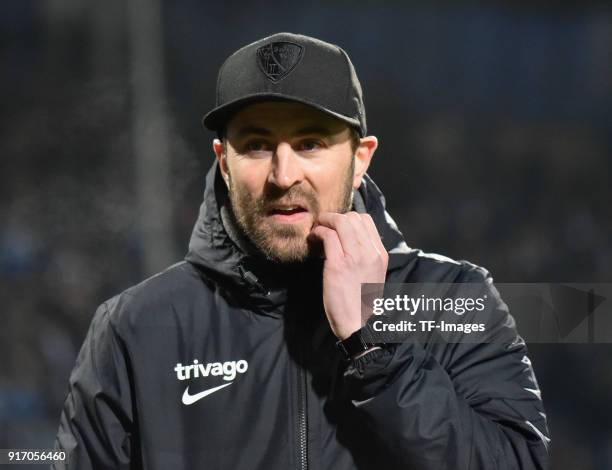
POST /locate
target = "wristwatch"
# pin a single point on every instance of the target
(357, 343)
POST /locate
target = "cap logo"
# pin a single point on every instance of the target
(277, 59)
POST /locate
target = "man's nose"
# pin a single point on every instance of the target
(286, 167)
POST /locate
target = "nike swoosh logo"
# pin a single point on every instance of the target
(191, 399)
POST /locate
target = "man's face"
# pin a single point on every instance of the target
(285, 163)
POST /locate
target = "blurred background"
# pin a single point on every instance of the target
(494, 121)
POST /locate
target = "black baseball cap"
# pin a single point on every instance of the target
(293, 67)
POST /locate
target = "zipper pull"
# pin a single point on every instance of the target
(252, 279)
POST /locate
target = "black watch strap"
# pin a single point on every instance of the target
(355, 344)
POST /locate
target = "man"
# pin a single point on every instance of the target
(250, 354)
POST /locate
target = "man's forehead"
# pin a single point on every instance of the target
(272, 117)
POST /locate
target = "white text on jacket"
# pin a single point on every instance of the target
(227, 369)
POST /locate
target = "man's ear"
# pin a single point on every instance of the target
(363, 157)
(219, 150)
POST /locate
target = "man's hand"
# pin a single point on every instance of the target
(354, 254)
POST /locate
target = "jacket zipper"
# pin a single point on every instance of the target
(302, 419)
(253, 280)
(302, 382)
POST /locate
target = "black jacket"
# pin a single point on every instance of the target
(270, 390)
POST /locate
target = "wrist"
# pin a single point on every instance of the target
(347, 333)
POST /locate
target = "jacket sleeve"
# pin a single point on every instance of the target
(475, 406)
(96, 423)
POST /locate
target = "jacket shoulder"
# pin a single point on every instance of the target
(419, 266)
(178, 284)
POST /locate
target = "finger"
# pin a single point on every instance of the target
(367, 235)
(344, 228)
(361, 231)
(373, 232)
(331, 242)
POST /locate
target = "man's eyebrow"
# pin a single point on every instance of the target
(250, 130)
(315, 130)
(308, 130)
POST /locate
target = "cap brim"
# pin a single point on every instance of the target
(217, 118)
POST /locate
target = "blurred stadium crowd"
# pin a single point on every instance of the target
(496, 144)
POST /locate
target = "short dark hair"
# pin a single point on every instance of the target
(354, 136)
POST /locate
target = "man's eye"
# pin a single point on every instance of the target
(257, 146)
(310, 145)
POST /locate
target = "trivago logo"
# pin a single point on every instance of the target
(228, 370)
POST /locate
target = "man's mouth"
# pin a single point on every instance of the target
(288, 213)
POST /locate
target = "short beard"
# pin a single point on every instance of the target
(283, 243)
